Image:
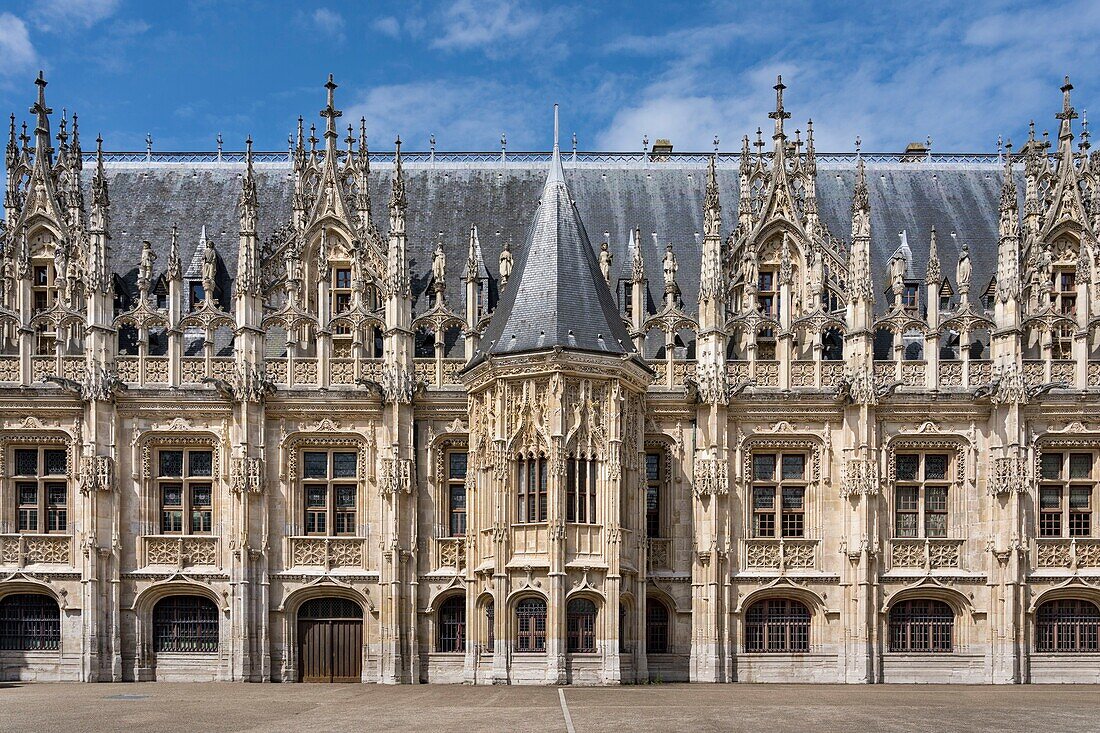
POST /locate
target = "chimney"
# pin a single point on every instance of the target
(662, 149)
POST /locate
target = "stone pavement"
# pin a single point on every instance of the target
(164, 708)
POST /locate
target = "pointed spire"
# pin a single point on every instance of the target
(77, 153)
(42, 149)
(934, 274)
(637, 264)
(13, 149)
(247, 282)
(1008, 247)
(175, 265)
(1067, 115)
(330, 113)
(247, 204)
(100, 198)
(474, 265)
(779, 114)
(860, 286)
(712, 207)
(557, 173)
(398, 202)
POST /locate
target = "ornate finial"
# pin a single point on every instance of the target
(779, 114)
(715, 143)
(219, 142)
(301, 134)
(330, 113)
(712, 207)
(397, 190)
(645, 143)
(934, 273)
(42, 125)
(759, 144)
(859, 146)
(248, 155)
(1085, 134)
(350, 139)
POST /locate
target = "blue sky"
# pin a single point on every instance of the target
(469, 70)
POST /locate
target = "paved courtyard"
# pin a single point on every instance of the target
(163, 707)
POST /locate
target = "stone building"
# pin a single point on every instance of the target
(338, 415)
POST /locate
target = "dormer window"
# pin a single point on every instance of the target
(627, 289)
(196, 294)
(910, 297)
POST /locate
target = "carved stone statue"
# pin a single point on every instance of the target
(964, 270)
(1045, 269)
(293, 265)
(209, 268)
(816, 278)
(145, 266)
(605, 261)
(60, 263)
(670, 267)
(505, 263)
(751, 274)
(897, 274)
(439, 267)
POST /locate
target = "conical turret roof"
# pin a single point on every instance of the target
(556, 296)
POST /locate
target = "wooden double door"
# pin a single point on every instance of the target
(330, 641)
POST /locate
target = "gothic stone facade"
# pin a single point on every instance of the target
(247, 433)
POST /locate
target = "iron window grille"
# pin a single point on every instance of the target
(531, 625)
(452, 625)
(580, 623)
(1068, 482)
(29, 622)
(779, 495)
(923, 626)
(186, 624)
(41, 489)
(1069, 625)
(656, 627)
(920, 494)
(186, 491)
(330, 485)
(777, 625)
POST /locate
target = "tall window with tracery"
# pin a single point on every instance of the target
(185, 490)
(1067, 493)
(452, 625)
(920, 494)
(768, 300)
(456, 493)
(777, 625)
(778, 494)
(1064, 301)
(1067, 625)
(580, 495)
(580, 625)
(654, 476)
(921, 626)
(531, 625)
(330, 485)
(532, 489)
(41, 489)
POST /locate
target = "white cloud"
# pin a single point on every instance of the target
(15, 45)
(329, 22)
(493, 26)
(461, 113)
(63, 15)
(388, 26)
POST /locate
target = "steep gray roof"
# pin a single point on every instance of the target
(664, 200)
(557, 296)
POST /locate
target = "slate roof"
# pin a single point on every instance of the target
(557, 295)
(663, 199)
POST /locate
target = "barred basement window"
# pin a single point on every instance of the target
(29, 622)
(1069, 625)
(921, 626)
(456, 493)
(186, 493)
(784, 517)
(41, 489)
(920, 494)
(452, 625)
(580, 496)
(656, 627)
(580, 625)
(1068, 482)
(777, 625)
(531, 625)
(532, 489)
(185, 624)
(329, 482)
(654, 475)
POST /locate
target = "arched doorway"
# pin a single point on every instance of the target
(330, 641)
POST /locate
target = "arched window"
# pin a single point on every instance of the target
(1069, 625)
(490, 625)
(656, 627)
(29, 622)
(452, 625)
(580, 622)
(185, 624)
(777, 625)
(531, 625)
(921, 626)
